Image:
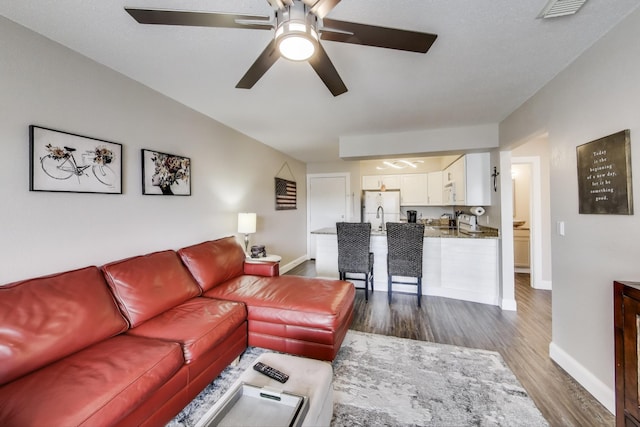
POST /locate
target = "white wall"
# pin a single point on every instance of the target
(444, 140)
(597, 95)
(46, 84)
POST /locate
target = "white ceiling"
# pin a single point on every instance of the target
(490, 57)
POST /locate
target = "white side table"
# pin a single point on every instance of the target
(268, 258)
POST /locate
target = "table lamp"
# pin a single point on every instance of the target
(246, 225)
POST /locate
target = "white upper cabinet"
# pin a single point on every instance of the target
(467, 181)
(375, 182)
(434, 189)
(414, 189)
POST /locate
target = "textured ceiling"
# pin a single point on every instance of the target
(490, 57)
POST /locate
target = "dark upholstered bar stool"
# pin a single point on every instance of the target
(354, 241)
(404, 254)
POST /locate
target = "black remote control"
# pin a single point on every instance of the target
(271, 372)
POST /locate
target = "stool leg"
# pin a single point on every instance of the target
(366, 287)
(371, 280)
(419, 290)
(389, 288)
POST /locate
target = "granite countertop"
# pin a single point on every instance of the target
(433, 232)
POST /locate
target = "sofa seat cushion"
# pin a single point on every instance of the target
(214, 262)
(47, 318)
(97, 386)
(148, 285)
(291, 300)
(198, 325)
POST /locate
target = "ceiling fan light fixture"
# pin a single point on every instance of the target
(296, 34)
(296, 40)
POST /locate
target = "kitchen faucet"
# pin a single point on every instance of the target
(380, 208)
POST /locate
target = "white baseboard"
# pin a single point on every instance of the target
(542, 284)
(293, 264)
(593, 385)
(522, 270)
(509, 305)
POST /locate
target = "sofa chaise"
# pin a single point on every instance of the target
(133, 342)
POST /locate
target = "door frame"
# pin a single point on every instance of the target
(347, 195)
(535, 243)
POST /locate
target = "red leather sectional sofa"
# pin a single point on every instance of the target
(133, 342)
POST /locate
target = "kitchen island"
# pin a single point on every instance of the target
(454, 264)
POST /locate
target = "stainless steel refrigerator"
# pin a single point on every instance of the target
(379, 206)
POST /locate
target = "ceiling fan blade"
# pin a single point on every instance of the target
(370, 35)
(200, 19)
(328, 74)
(321, 8)
(267, 58)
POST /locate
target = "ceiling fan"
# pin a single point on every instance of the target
(299, 25)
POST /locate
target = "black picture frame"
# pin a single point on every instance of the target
(67, 162)
(165, 174)
(604, 175)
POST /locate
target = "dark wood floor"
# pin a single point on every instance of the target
(522, 338)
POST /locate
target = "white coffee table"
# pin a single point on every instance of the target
(307, 377)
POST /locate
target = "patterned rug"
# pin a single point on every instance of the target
(388, 381)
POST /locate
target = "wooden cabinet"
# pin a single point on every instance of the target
(467, 181)
(375, 182)
(521, 247)
(626, 300)
(414, 189)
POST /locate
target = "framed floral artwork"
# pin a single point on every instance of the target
(66, 162)
(165, 174)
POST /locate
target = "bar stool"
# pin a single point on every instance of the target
(354, 241)
(404, 255)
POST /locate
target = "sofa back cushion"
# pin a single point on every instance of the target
(47, 318)
(147, 285)
(214, 262)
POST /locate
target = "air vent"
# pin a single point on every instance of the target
(556, 8)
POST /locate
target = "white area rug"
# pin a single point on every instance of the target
(388, 381)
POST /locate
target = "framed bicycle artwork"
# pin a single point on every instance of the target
(66, 162)
(165, 174)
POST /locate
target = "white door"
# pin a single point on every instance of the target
(328, 196)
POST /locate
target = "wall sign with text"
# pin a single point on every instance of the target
(604, 175)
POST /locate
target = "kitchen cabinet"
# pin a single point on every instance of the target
(521, 252)
(467, 181)
(434, 189)
(626, 311)
(375, 182)
(414, 189)
(421, 189)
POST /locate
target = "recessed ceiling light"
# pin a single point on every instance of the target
(399, 164)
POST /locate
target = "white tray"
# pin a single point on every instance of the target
(249, 405)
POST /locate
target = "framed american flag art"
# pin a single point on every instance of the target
(286, 193)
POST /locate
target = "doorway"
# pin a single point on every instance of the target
(522, 214)
(536, 217)
(328, 201)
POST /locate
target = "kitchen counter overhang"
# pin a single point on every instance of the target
(454, 264)
(433, 232)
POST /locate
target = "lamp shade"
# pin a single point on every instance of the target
(246, 223)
